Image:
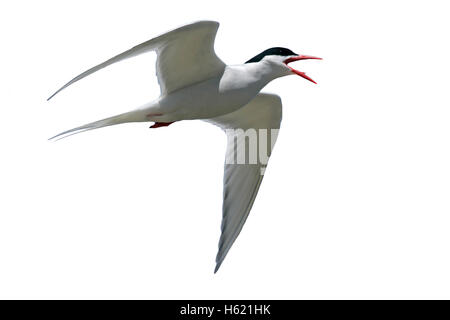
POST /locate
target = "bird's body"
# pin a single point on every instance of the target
(210, 98)
(196, 84)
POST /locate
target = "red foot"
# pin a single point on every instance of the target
(161, 124)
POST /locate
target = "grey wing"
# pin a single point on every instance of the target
(179, 51)
(242, 180)
(188, 58)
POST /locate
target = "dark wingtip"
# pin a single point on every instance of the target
(218, 264)
(60, 89)
(48, 99)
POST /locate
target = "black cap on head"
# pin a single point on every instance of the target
(272, 51)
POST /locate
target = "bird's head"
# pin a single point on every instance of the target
(278, 59)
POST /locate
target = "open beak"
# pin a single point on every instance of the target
(301, 57)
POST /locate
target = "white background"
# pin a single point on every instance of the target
(355, 201)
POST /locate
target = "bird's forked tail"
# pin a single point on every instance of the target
(121, 118)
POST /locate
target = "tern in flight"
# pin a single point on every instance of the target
(196, 84)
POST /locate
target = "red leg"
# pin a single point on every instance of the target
(161, 124)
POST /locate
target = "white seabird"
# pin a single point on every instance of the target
(196, 84)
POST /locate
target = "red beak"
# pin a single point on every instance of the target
(301, 57)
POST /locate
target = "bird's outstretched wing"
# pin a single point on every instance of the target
(185, 56)
(251, 129)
